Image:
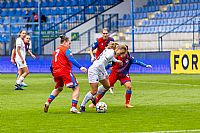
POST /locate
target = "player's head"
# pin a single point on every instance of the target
(112, 45)
(65, 41)
(22, 34)
(27, 39)
(121, 50)
(105, 34)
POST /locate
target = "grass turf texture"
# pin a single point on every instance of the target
(162, 103)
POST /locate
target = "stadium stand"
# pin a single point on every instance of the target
(61, 13)
(163, 16)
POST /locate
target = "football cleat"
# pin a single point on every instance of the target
(24, 84)
(82, 108)
(74, 110)
(18, 87)
(129, 106)
(91, 105)
(46, 107)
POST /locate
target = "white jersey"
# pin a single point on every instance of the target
(20, 43)
(97, 71)
(106, 57)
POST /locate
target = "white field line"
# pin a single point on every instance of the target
(160, 83)
(175, 131)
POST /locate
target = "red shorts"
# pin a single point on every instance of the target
(68, 79)
(113, 77)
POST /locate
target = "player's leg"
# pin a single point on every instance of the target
(58, 88)
(102, 90)
(75, 97)
(128, 95)
(25, 72)
(89, 96)
(19, 73)
(93, 78)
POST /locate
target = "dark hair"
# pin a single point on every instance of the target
(63, 38)
(20, 32)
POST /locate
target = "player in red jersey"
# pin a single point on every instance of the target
(120, 73)
(62, 72)
(100, 44)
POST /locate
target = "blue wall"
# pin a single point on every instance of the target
(160, 62)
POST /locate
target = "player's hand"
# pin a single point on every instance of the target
(13, 61)
(93, 59)
(34, 57)
(148, 66)
(83, 69)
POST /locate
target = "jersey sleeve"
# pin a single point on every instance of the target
(68, 53)
(134, 61)
(95, 45)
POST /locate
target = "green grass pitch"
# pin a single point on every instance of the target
(162, 103)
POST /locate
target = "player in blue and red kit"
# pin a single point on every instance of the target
(120, 73)
(100, 44)
(62, 72)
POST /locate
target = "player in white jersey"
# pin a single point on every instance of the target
(22, 42)
(97, 72)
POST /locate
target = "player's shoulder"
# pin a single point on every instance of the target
(19, 39)
(100, 39)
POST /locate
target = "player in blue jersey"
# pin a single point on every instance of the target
(120, 73)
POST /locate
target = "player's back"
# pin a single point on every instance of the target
(60, 62)
(104, 58)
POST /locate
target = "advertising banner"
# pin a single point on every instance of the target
(185, 61)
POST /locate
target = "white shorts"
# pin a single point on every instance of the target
(95, 75)
(20, 65)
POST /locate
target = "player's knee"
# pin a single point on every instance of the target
(129, 87)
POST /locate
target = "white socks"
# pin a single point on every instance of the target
(19, 81)
(88, 97)
(101, 89)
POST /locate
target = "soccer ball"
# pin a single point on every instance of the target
(101, 107)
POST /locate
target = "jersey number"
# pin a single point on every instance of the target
(57, 52)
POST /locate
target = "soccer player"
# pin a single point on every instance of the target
(100, 44)
(120, 73)
(62, 72)
(27, 43)
(97, 72)
(22, 46)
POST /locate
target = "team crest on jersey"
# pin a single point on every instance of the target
(126, 61)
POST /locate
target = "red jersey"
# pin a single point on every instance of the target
(60, 62)
(101, 44)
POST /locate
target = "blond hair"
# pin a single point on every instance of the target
(112, 45)
(122, 47)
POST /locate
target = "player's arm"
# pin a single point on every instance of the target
(31, 54)
(110, 54)
(13, 56)
(134, 61)
(94, 46)
(68, 53)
